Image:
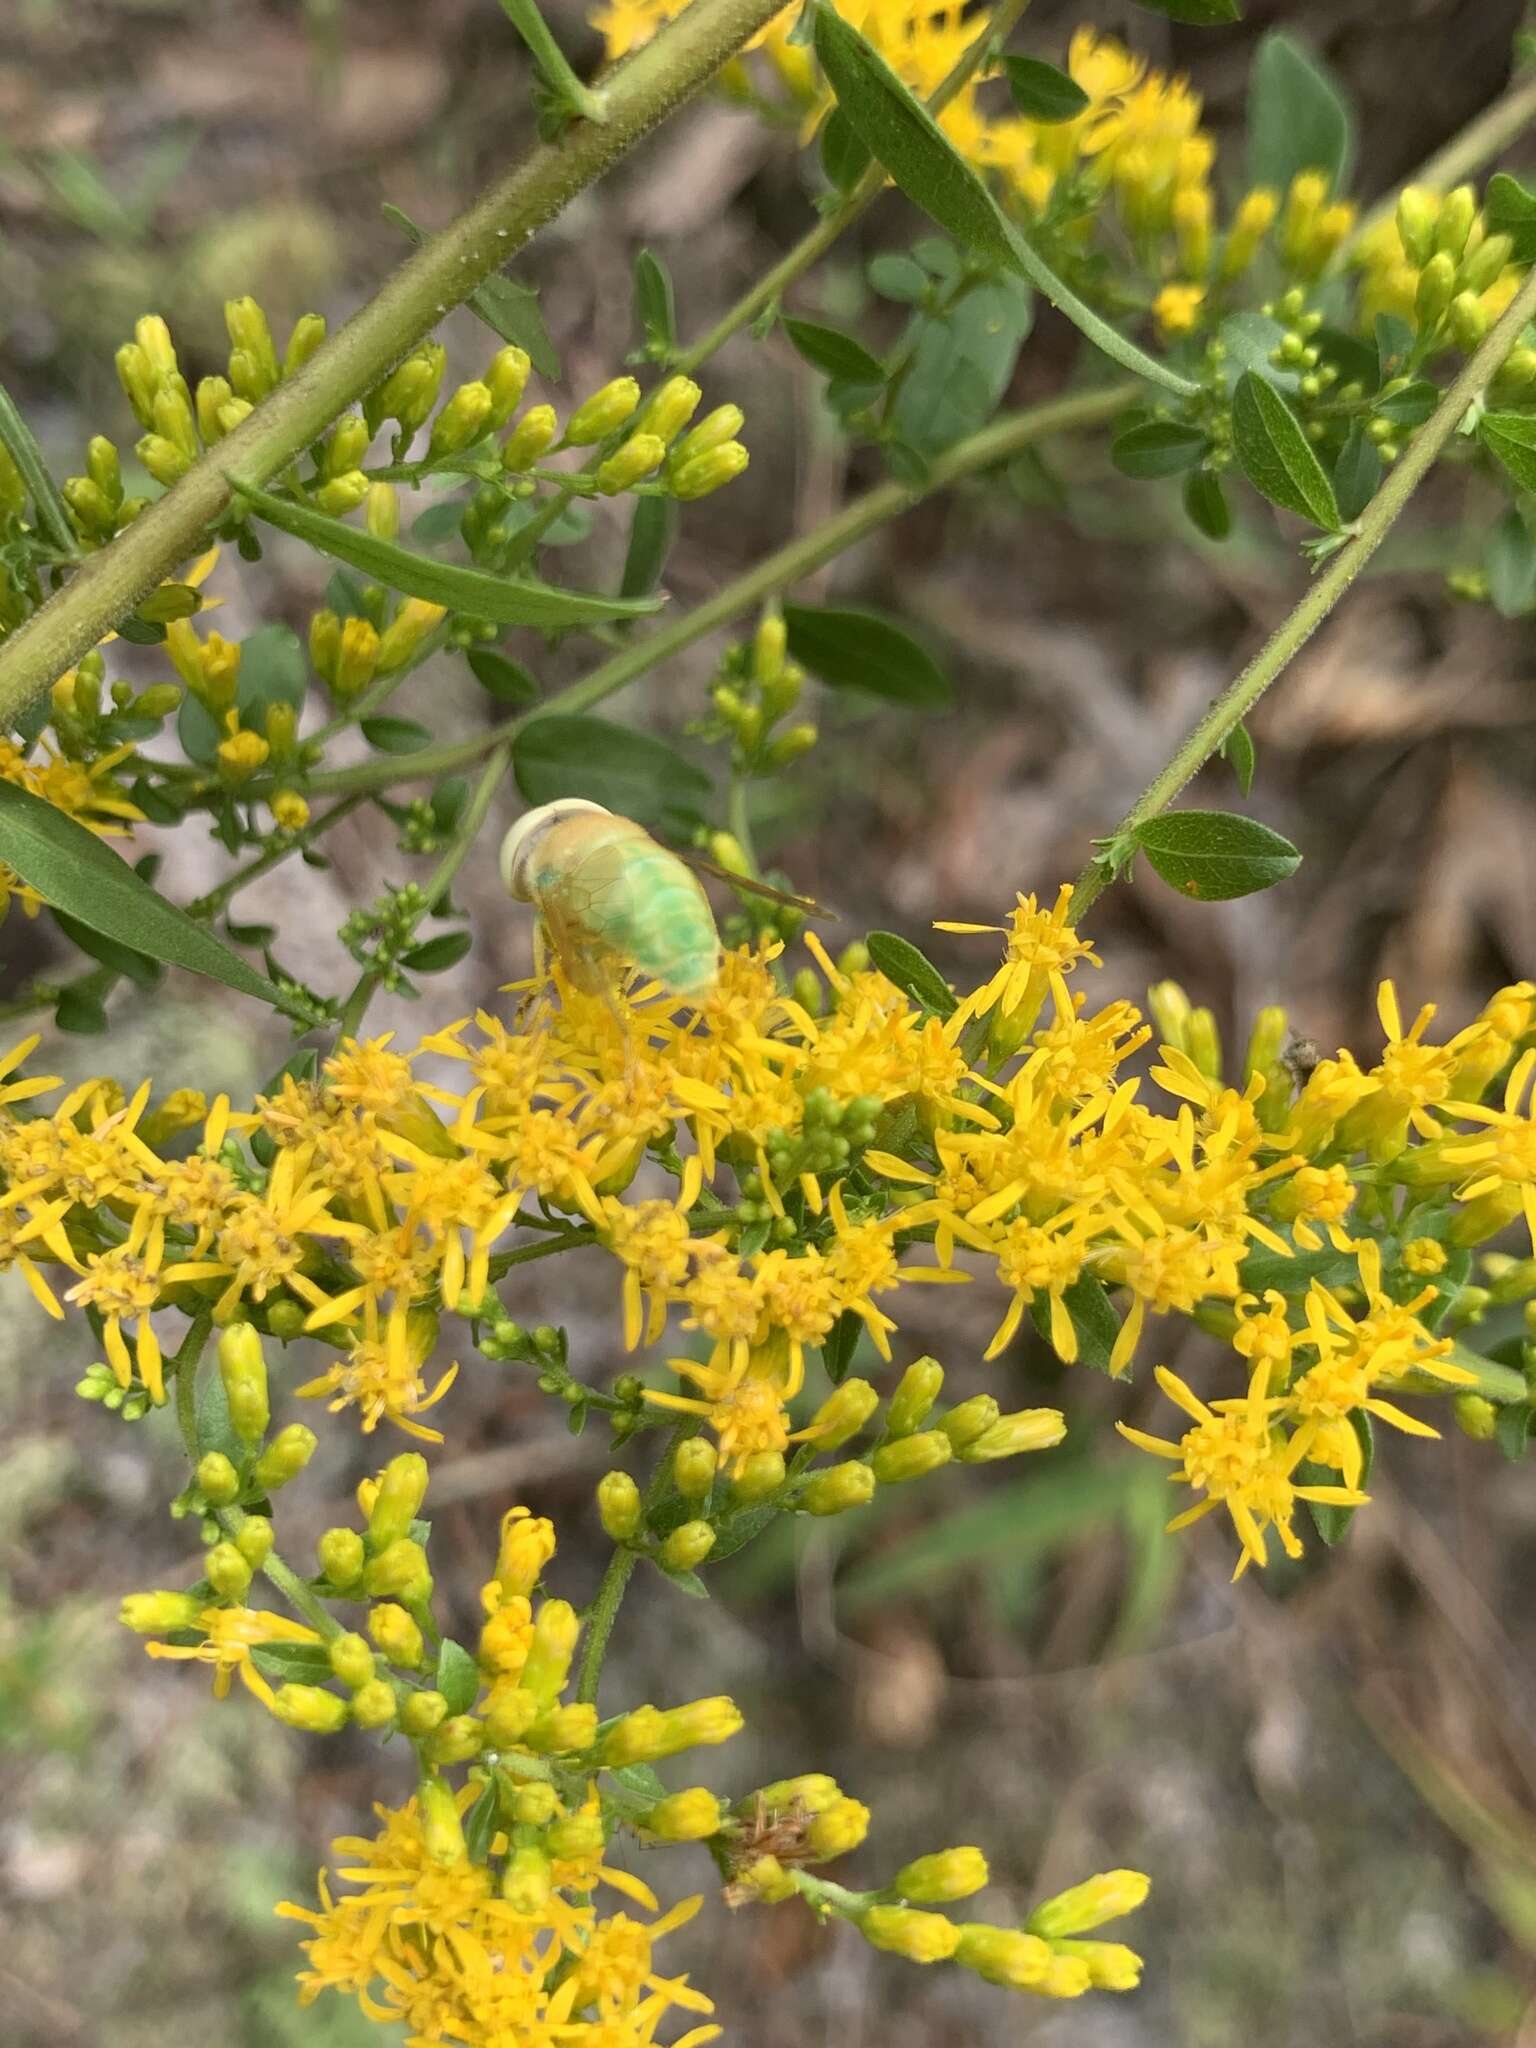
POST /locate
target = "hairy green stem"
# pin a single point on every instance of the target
(1375, 523)
(49, 507)
(810, 249)
(995, 443)
(682, 57)
(601, 1616)
(554, 66)
(216, 899)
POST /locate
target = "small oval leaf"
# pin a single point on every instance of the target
(1041, 92)
(1215, 855)
(1277, 458)
(1510, 437)
(1155, 448)
(505, 679)
(834, 353)
(394, 735)
(1298, 119)
(630, 772)
(912, 972)
(854, 649)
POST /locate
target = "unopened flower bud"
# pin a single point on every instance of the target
(701, 475)
(837, 1829)
(527, 1544)
(648, 1734)
(339, 1553)
(1476, 1417)
(963, 1424)
(1417, 211)
(1437, 282)
(139, 381)
(1110, 1965)
(159, 1614)
(794, 741)
(1458, 210)
(533, 434)
(422, 1712)
(373, 1704)
(356, 659)
(410, 626)
(1027, 1429)
(310, 1708)
(254, 1540)
(442, 1835)
(506, 379)
(243, 1369)
(290, 812)
(509, 1714)
(691, 1816)
(768, 1880)
(1480, 266)
(217, 1480)
(687, 1546)
(402, 1488)
(526, 1881)
(564, 1730)
(838, 1489)
(241, 756)
(603, 413)
(94, 518)
(165, 461)
(324, 644)
(920, 1387)
(343, 494)
(843, 1414)
(227, 1571)
(713, 431)
(811, 1792)
(555, 1632)
(693, 1467)
(940, 1879)
(409, 393)
(633, 460)
(285, 1457)
(462, 420)
(759, 1475)
(345, 446)
(158, 701)
(456, 1740)
(920, 1937)
(1109, 1896)
(249, 333)
(577, 1836)
(911, 1457)
(535, 1805)
(1003, 1955)
(400, 1568)
(1467, 321)
(382, 517)
(618, 1506)
(308, 333)
(351, 1660)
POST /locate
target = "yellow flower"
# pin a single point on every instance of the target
(1042, 950)
(1176, 309)
(381, 1375)
(230, 1634)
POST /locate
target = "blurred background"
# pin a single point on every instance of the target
(1330, 1772)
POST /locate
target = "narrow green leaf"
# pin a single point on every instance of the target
(507, 308)
(508, 602)
(1215, 855)
(1206, 504)
(844, 157)
(394, 735)
(834, 353)
(654, 302)
(52, 517)
(1509, 563)
(863, 650)
(651, 534)
(481, 1824)
(1240, 756)
(1510, 437)
(837, 1353)
(1510, 209)
(505, 679)
(1156, 448)
(630, 772)
(434, 956)
(1198, 13)
(1394, 345)
(294, 1663)
(74, 871)
(1298, 119)
(1276, 456)
(905, 138)
(912, 972)
(1093, 1318)
(457, 1677)
(1357, 472)
(1041, 92)
(123, 960)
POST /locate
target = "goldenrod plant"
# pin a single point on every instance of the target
(770, 1140)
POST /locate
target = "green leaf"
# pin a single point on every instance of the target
(651, 534)
(505, 679)
(1215, 855)
(1510, 210)
(1041, 92)
(1093, 1318)
(903, 135)
(1198, 13)
(434, 956)
(508, 309)
(1394, 346)
(1248, 340)
(1206, 504)
(80, 1010)
(74, 871)
(394, 735)
(1155, 448)
(912, 972)
(1240, 756)
(1410, 405)
(1276, 456)
(898, 278)
(272, 671)
(507, 601)
(438, 523)
(629, 772)
(480, 1824)
(1356, 473)
(121, 959)
(654, 303)
(837, 1353)
(959, 363)
(863, 650)
(17, 437)
(457, 1677)
(1509, 563)
(1329, 1521)
(1512, 1429)
(843, 156)
(294, 1663)
(834, 353)
(686, 1582)
(1510, 437)
(1298, 119)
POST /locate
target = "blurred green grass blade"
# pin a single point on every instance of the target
(28, 458)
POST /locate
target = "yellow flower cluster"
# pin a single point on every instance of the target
(1435, 264)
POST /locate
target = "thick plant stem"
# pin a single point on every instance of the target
(995, 443)
(444, 271)
(603, 1614)
(1291, 636)
(810, 249)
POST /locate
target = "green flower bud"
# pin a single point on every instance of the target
(217, 1480)
(139, 381)
(769, 644)
(713, 431)
(563, 1730)
(462, 420)
(310, 1708)
(158, 701)
(843, 1414)
(101, 466)
(648, 1734)
(285, 1457)
(618, 1506)
(838, 1829)
(243, 1369)
(456, 1741)
(416, 620)
(687, 1547)
(556, 1629)
(401, 1492)
(409, 393)
(1468, 321)
(1028, 1429)
(166, 463)
(423, 1711)
(341, 1557)
(1476, 1417)
(760, 1475)
(1480, 266)
(308, 333)
(791, 744)
(534, 432)
(169, 602)
(509, 1714)
(324, 644)
(1437, 282)
(1458, 210)
(693, 1467)
(159, 1614)
(811, 1792)
(526, 1882)
(920, 1937)
(342, 494)
(669, 408)
(839, 1488)
(911, 1457)
(254, 1541)
(442, 1835)
(382, 517)
(1003, 1955)
(921, 1385)
(1111, 1966)
(706, 473)
(506, 380)
(400, 1568)
(940, 1879)
(250, 336)
(691, 1816)
(603, 413)
(535, 1806)
(629, 463)
(1417, 211)
(1109, 1896)
(352, 1661)
(962, 1425)
(577, 1836)
(373, 1704)
(346, 445)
